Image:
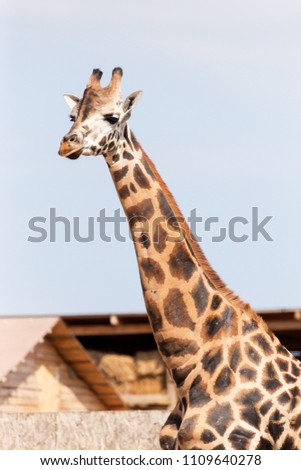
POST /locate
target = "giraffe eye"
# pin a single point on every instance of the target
(111, 119)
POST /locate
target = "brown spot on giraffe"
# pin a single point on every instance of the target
(216, 324)
(264, 444)
(154, 316)
(251, 416)
(116, 157)
(295, 369)
(207, 436)
(288, 444)
(296, 422)
(124, 192)
(235, 356)
(127, 138)
(270, 380)
(240, 438)
(141, 211)
(219, 417)
(247, 374)
(180, 262)
(249, 397)
(252, 354)
(144, 240)
(200, 296)
(178, 347)
(284, 398)
(147, 168)
(133, 188)
(152, 269)
(249, 326)
(283, 351)
(102, 141)
(265, 407)
(118, 175)
(224, 381)
(165, 209)
(295, 393)
(175, 310)
(198, 395)
(282, 364)
(276, 425)
(179, 375)
(216, 301)
(159, 238)
(140, 178)
(263, 343)
(186, 430)
(127, 155)
(212, 359)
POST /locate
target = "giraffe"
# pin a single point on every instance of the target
(237, 386)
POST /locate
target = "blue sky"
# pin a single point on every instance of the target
(220, 117)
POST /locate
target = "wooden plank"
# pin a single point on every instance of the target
(15, 379)
(284, 325)
(81, 395)
(84, 366)
(101, 388)
(64, 343)
(13, 392)
(69, 381)
(75, 355)
(144, 400)
(22, 401)
(73, 399)
(107, 394)
(70, 394)
(110, 330)
(18, 409)
(24, 369)
(80, 407)
(50, 388)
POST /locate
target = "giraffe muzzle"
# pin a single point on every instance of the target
(71, 146)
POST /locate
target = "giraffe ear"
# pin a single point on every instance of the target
(131, 101)
(71, 100)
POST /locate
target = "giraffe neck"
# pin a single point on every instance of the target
(178, 292)
(235, 382)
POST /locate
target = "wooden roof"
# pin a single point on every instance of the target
(19, 336)
(134, 329)
(137, 323)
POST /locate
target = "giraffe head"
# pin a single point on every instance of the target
(99, 117)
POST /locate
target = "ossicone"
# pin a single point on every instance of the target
(94, 80)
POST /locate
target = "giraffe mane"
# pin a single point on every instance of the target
(196, 249)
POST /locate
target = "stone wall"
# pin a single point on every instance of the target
(101, 430)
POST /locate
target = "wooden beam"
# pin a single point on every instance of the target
(284, 325)
(109, 330)
(146, 400)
